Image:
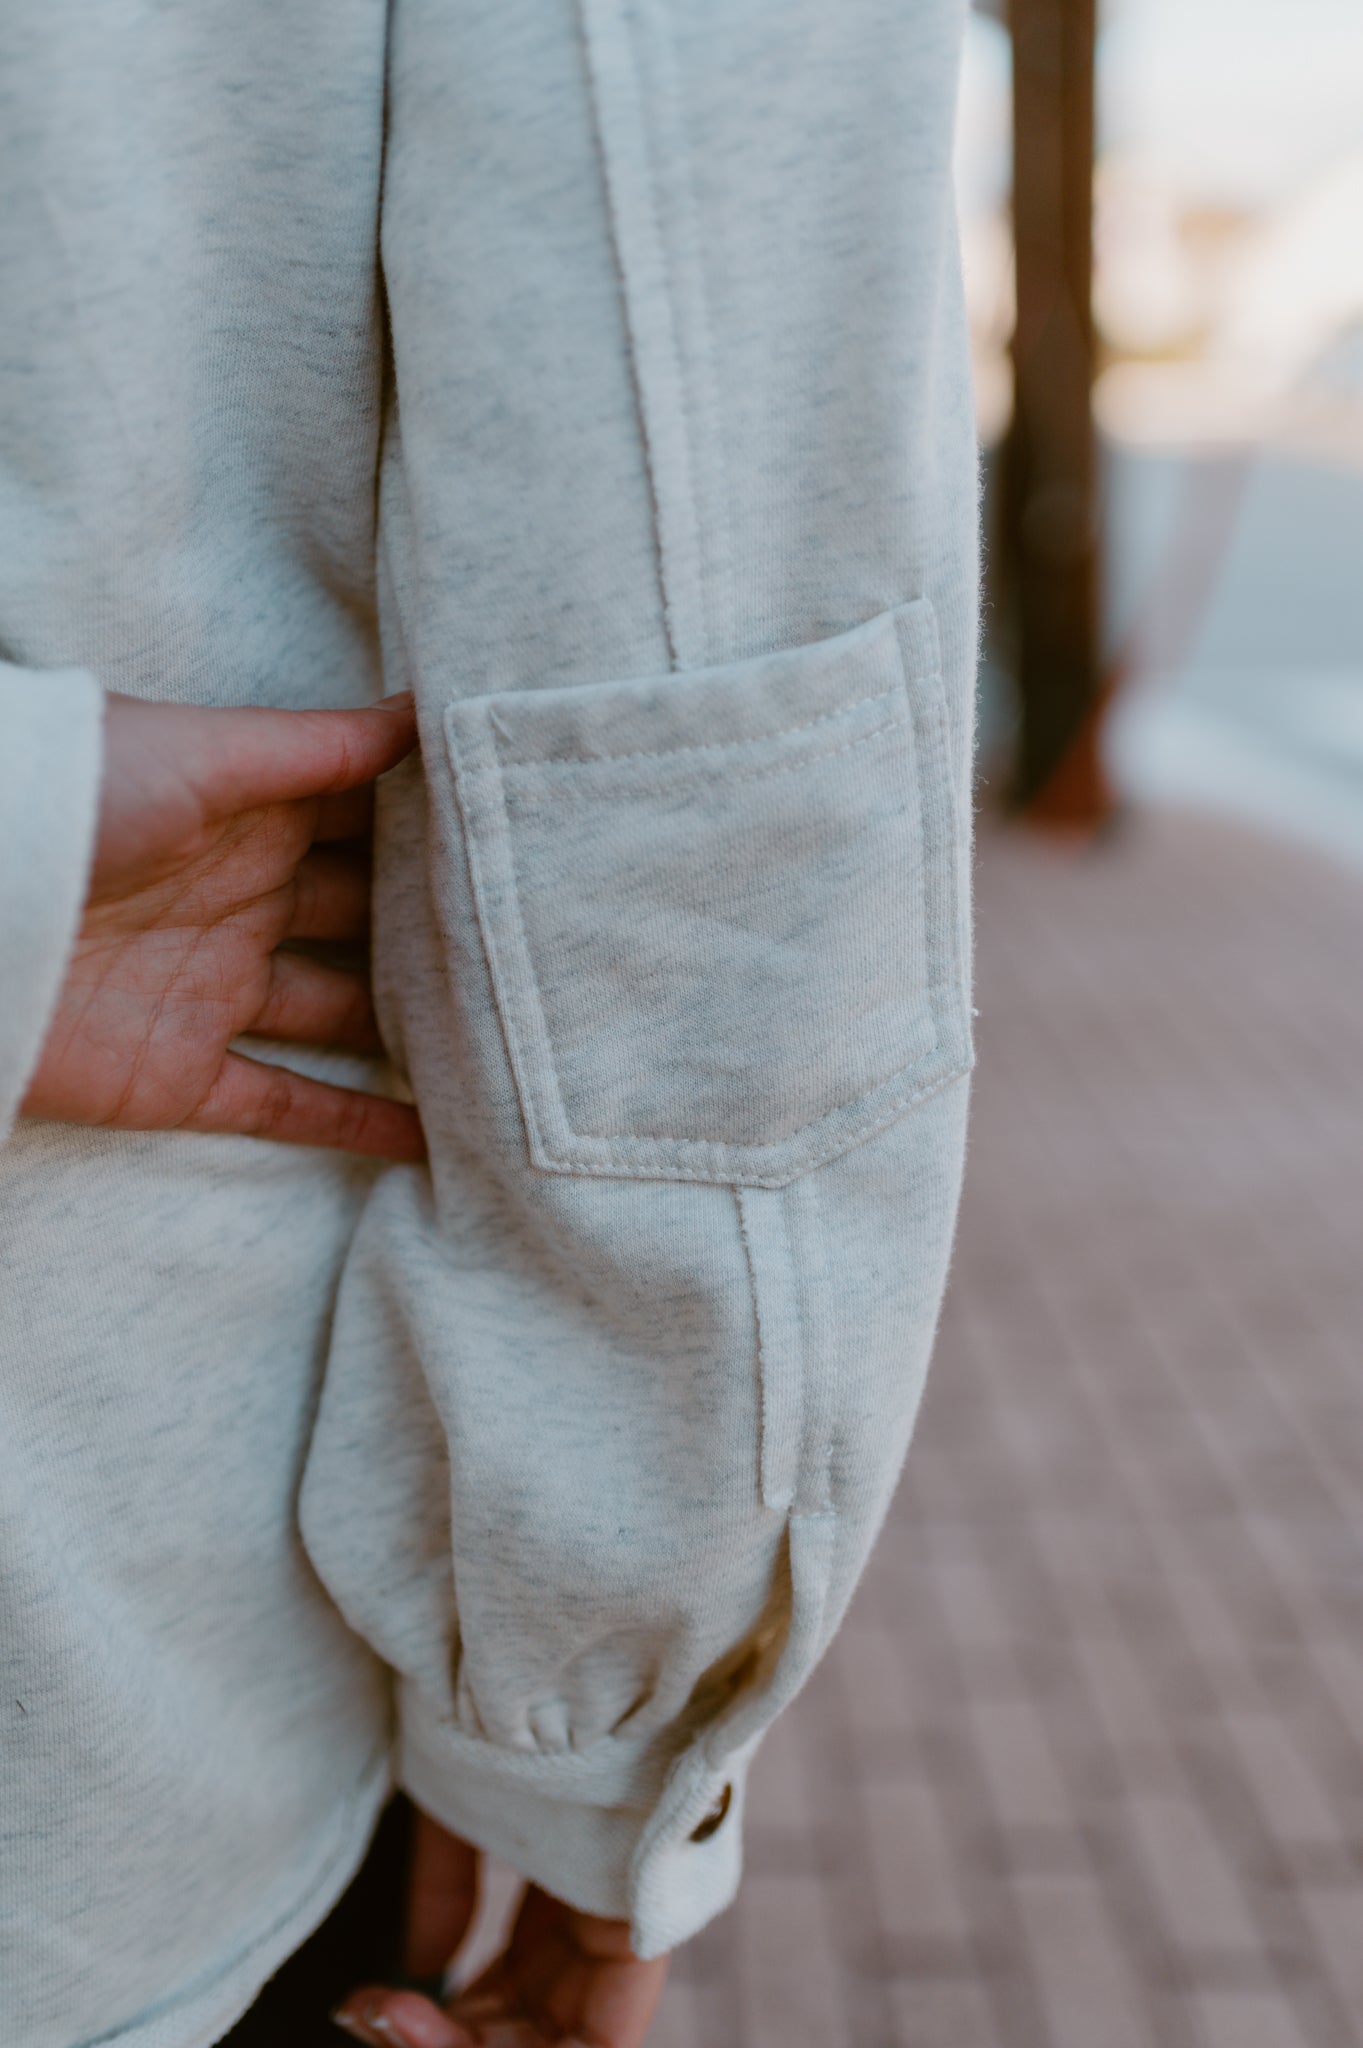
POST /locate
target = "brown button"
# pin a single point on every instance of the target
(714, 1819)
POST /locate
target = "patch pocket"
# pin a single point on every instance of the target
(723, 910)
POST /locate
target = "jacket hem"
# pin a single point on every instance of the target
(201, 2014)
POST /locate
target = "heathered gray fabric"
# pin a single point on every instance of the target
(595, 1419)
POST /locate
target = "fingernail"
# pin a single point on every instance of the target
(420, 2026)
(399, 701)
(371, 2025)
(350, 2023)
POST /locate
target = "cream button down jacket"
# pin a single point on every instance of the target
(598, 371)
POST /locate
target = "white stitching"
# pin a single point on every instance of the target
(813, 1273)
(715, 555)
(842, 1143)
(764, 1422)
(780, 1364)
(680, 367)
(731, 781)
(653, 345)
(700, 746)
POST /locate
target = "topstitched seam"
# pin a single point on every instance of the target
(647, 449)
(717, 579)
(843, 1142)
(764, 1388)
(811, 760)
(702, 746)
(681, 380)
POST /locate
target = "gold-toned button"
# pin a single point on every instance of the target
(714, 1819)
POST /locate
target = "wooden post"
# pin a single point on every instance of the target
(1050, 494)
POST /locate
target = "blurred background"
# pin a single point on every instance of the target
(1085, 1768)
(1224, 351)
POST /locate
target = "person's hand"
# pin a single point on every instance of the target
(213, 847)
(566, 1979)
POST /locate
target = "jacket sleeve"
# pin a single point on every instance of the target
(51, 726)
(678, 551)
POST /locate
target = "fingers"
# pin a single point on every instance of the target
(261, 1101)
(310, 1004)
(399, 2019)
(173, 772)
(245, 758)
(568, 1979)
(442, 1894)
(331, 896)
(578, 1976)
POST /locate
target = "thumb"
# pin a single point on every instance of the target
(442, 1896)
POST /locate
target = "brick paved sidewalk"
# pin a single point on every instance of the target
(1085, 1768)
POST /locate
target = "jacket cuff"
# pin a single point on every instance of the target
(617, 1830)
(51, 754)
